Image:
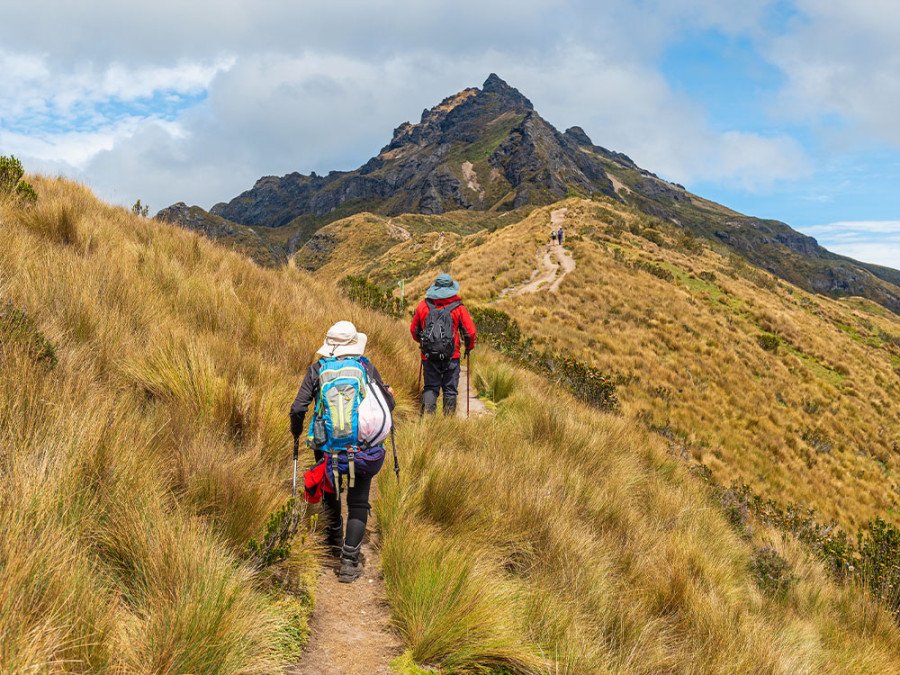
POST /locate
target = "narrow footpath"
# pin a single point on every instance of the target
(350, 628)
(476, 405)
(549, 273)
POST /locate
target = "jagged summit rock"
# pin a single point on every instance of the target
(481, 148)
(488, 149)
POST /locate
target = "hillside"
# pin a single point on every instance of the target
(793, 393)
(488, 151)
(145, 376)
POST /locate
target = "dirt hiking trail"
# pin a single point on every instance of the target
(350, 628)
(547, 276)
(476, 405)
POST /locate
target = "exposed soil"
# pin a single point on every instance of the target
(550, 259)
(351, 630)
(471, 178)
(475, 405)
(397, 232)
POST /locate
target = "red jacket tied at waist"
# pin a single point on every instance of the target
(462, 322)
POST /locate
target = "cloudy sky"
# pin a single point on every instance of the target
(779, 109)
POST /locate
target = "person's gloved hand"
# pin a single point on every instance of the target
(296, 427)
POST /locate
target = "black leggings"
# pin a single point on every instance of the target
(357, 510)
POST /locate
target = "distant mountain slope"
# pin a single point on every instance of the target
(810, 416)
(138, 462)
(488, 150)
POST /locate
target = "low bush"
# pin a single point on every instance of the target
(654, 269)
(11, 182)
(367, 294)
(585, 381)
(873, 561)
(768, 341)
(771, 571)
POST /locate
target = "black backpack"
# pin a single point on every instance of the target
(436, 339)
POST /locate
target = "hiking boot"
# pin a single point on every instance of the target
(429, 402)
(449, 406)
(334, 538)
(351, 566)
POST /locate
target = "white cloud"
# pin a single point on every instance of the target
(886, 254)
(873, 241)
(841, 59)
(300, 86)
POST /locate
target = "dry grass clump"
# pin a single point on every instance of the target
(134, 472)
(809, 414)
(550, 538)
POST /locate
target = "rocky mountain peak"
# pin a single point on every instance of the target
(512, 96)
(577, 134)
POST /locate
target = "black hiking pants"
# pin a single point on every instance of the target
(440, 376)
(357, 509)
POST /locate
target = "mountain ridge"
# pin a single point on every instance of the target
(489, 150)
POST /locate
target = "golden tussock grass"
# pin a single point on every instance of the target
(543, 538)
(815, 421)
(134, 473)
(553, 539)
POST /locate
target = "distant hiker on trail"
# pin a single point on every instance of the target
(559, 236)
(352, 417)
(437, 324)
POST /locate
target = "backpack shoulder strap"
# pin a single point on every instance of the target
(453, 305)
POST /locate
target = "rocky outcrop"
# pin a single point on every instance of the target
(197, 219)
(413, 173)
(496, 130)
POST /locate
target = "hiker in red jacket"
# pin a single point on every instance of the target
(439, 321)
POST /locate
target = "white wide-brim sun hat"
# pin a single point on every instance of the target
(342, 339)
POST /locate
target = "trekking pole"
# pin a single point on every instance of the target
(296, 452)
(394, 448)
(468, 379)
(419, 386)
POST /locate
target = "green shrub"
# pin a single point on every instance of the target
(771, 571)
(874, 561)
(497, 328)
(878, 544)
(768, 341)
(275, 546)
(367, 294)
(11, 182)
(654, 269)
(654, 236)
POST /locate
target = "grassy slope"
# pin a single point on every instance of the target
(135, 472)
(547, 538)
(816, 421)
(551, 538)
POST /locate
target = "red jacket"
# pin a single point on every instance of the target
(461, 320)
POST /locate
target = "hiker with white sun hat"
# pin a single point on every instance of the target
(351, 419)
